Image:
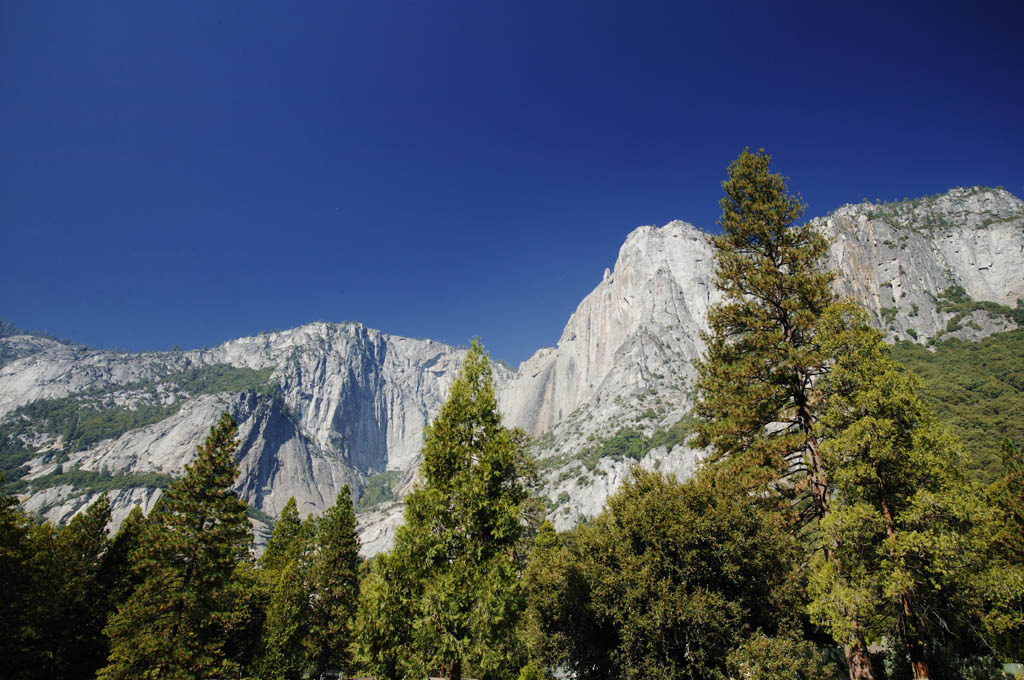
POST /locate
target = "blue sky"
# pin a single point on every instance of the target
(181, 173)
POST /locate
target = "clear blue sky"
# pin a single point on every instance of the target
(182, 173)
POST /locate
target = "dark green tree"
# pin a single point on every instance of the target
(77, 645)
(67, 604)
(116, 573)
(334, 586)
(454, 570)
(665, 582)
(16, 577)
(180, 619)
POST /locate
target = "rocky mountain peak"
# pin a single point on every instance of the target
(328, 404)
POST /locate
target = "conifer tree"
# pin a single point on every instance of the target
(453, 572)
(116, 573)
(178, 621)
(284, 579)
(757, 395)
(77, 646)
(16, 579)
(910, 530)
(333, 586)
(280, 544)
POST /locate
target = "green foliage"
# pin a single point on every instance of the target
(447, 595)
(180, 621)
(977, 389)
(763, 353)
(83, 420)
(76, 420)
(631, 443)
(333, 586)
(955, 299)
(783, 657)
(217, 378)
(379, 489)
(65, 595)
(93, 481)
(664, 583)
(16, 575)
(283, 582)
(908, 530)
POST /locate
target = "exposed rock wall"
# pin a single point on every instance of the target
(353, 402)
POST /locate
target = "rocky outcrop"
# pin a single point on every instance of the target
(350, 403)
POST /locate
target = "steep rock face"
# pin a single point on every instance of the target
(349, 403)
(897, 259)
(626, 335)
(627, 351)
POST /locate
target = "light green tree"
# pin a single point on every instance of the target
(283, 578)
(179, 621)
(909, 529)
(454, 571)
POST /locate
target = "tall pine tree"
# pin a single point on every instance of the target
(453, 573)
(179, 620)
(757, 398)
(334, 586)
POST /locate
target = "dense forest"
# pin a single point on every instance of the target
(837, 527)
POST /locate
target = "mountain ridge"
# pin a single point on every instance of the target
(351, 402)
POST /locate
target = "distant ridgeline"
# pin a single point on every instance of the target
(332, 404)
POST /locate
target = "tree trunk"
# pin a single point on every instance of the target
(857, 658)
(915, 648)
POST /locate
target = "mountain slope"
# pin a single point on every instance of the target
(323, 405)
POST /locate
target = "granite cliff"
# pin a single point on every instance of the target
(325, 405)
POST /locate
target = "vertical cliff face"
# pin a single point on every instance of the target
(627, 335)
(325, 405)
(897, 260)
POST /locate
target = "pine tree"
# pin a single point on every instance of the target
(453, 572)
(280, 545)
(909, 528)
(16, 582)
(77, 646)
(284, 579)
(178, 621)
(116, 572)
(757, 394)
(334, 586)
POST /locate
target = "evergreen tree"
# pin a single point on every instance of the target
(454, 569)
(905, 522)
(116, 573)
(77, 646)
(16, 582)
(664, 583)
(758, 396)
(179, 620)
(280, 545)
(284, 579)
(333, 585)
